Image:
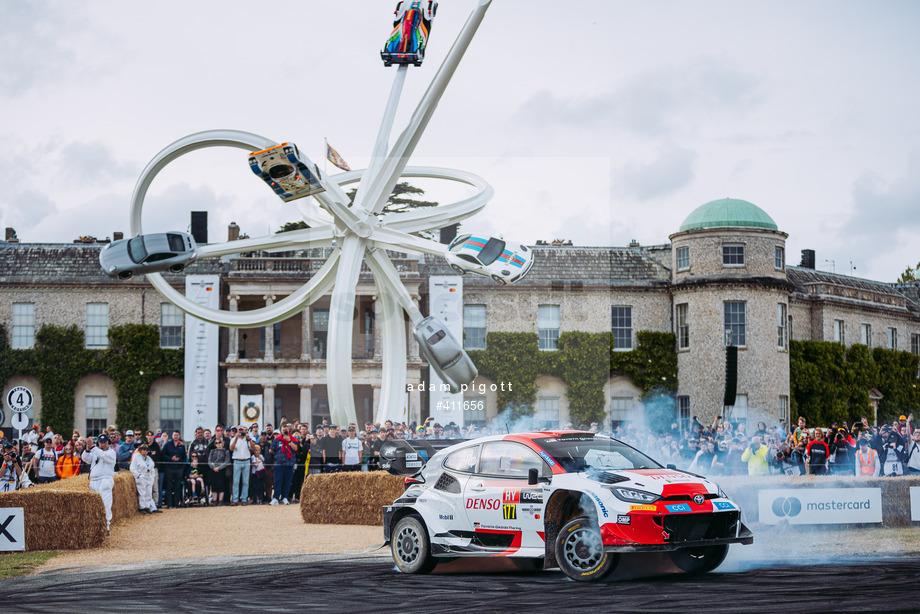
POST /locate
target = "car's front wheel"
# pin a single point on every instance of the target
(125, 275)
(699, 560)
(580, 552)
(410, 546)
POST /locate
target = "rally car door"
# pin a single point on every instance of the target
(505, 512)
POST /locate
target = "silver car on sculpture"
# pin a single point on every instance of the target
(151, 253)
(444, 353)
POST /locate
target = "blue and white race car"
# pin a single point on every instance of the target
(504, 261)
(411, 28)
(287, 172)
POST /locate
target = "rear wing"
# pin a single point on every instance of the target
(408, 456)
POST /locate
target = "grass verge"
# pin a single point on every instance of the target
(20, 563)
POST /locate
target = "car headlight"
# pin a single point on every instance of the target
(634, 496)
(722, 494)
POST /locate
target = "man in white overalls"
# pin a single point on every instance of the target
(102, 473)
(143, 469)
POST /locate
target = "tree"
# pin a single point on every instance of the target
(288, 226)
(401, 199)
(909, 274)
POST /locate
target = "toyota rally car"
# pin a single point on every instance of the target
(569, 499)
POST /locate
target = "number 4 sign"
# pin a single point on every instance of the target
(19, 399)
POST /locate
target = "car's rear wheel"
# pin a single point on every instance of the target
(410, 546)
(177, 268)
(580, 552)
(699, 560)
(457, 269)
(125, 275)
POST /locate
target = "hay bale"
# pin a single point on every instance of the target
(348, 498)
(67, 515)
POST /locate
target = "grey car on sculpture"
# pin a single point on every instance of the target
(444, 353)
(150, 253)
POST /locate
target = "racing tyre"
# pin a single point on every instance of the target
(699, 560)
(177, 268)
(580, 552)
(410, 546)
(457, 269)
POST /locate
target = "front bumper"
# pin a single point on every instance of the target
(661, 533)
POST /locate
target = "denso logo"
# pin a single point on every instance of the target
(483, 504)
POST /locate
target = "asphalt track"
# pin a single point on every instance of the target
(369, 583)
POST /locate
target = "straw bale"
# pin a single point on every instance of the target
(348, 498)
(67, 515)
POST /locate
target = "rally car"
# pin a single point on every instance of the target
(287, 172)
(150, 253)
(504, 261)
(411, 27)
(568, 499)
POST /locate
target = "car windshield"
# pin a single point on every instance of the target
(136, 250)
(491, 251)
(583, 452)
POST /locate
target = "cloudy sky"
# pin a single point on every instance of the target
(599, 121)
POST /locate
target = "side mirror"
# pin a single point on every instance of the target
(533, 476)
(672, 466)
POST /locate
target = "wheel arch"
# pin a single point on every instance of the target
(562, 506)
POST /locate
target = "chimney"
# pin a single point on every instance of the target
(233, 232)
(808, 259)
(118, 235)
(634, 243)
(11, 234)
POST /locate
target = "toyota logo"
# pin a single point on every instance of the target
(783, 506)
(698, 499)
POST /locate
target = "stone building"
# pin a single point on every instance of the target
(724, 271)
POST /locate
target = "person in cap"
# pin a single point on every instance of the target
(352, 447)
(126, 451)
(44, 464)
(144, 471)
(868, 464)
(102, 473)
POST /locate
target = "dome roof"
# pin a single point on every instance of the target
(728, 212)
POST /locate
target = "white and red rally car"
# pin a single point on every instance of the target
(568, 499)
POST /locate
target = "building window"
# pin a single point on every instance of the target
(547, 414)
(839, 332)
(779, 258)
(781, 320)
(23, 326)
(474, 411)
(915, 344)
(622, 328)
(683, 327)
(97, 325)
(171, 319)
(474, 327)
(97, 415)
(548, 326)
(620, 407)
(733, 255)
(892, 338)
(171, 414)
(683, 413)
(783, 409)
(734, 323)
(865, 335)
(320, 332)
(683, 258)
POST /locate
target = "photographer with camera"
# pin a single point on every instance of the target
(241, 447)
(10, 470)
(785, 463)
(841, 453)
(756, 458)
(285, 451)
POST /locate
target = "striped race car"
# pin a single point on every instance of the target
(504, 261)
(575, 500)
(289, 173)
(411, 29)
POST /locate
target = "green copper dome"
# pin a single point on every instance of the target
(728, 212)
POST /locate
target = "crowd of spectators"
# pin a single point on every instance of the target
(247, 465)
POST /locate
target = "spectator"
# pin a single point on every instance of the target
(265, 444)
(78, 449)
(68, 465)
(102, 473)
(868, 464)
(818, 453)
(45, 462)
(126, 451)
(841, 454)
(257, 485)
(175, 455)
(913, 448)
(316, 454)
(219, 463)
(194, 478)
(893, 456)
(285, 451)
(331, 447)
(800, 429)
(798, 457)
(219, 433)
(198, 446)
(241, 453)
(11, 470)
(302, 457)
(783, 461)
(756, 457)
(143, 469)
(155, 452)
(702, 462)
(351, 451)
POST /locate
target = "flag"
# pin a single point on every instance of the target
(334, 157)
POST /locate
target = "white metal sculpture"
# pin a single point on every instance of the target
(359, 231)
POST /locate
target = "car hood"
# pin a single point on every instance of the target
(662, 482)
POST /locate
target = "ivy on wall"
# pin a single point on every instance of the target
(828, 382)
(583, 361)
(59, 360)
